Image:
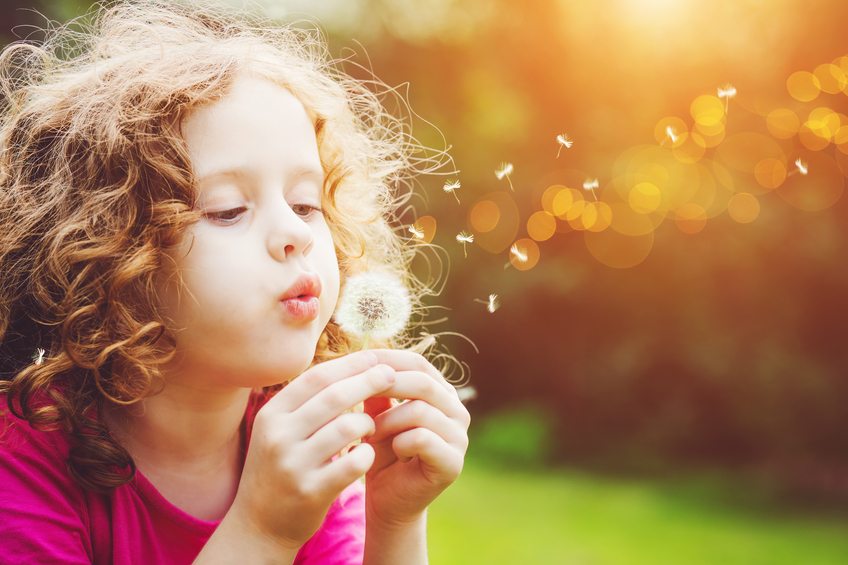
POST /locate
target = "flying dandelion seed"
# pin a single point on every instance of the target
(504, 171)
(416, 232)
(591, 184)
(373, 304)
(563, 141)
(463, 238)
(466, 393)
(801, 167)
(452, 186)
(727, 92)
(38, 356)
(492, 303)
(519, 254)
(671, 134)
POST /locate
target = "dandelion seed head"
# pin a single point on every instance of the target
(416, 232)
(493, 303)
(451, 185)
(727, 91)
(564, 140)
(466, 393)
(590, 184)
(465, 237)
(672, 135)
(801, 166)
(519, 253)
(374, 304)
(38, 356)
(504, 170)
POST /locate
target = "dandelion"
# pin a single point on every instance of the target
(373, 304)
(416, 231)
(465, 237)
(563, 141)
(492, 303)
(671, 134)
(451, 186)
(504, 171)
(466, 393)
(38, 356)
(727, 92)
(801, 166)
(591, 184)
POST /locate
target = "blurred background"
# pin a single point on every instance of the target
(653, 190)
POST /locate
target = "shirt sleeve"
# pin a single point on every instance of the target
(341, 538)
(41, 509)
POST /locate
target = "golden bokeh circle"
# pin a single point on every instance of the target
(601, 215)
(707, 110)
(509, 221)
(564, 200)
(541, 226)
(819, 189)
(484, 216)
(743, 207)
(803, 86)
(644, 198)
(678, 126)
(770, 173)
(692, 148)
(627, 221)
(549, 195)
(531, 249)
(811, 138)
(831, 78)
(783, 123)
(690, 218)
(742, 151)
(617, 250)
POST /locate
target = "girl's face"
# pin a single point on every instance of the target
(255, 156)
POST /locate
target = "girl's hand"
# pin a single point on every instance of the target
(290, 478)
(420, 445)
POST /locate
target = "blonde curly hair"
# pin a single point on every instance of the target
(96, 183)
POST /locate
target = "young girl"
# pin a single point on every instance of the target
(184, 194)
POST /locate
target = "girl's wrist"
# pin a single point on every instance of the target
(400, 541)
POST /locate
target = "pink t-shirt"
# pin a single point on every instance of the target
(45, 517)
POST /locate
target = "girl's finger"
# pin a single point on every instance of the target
(440, 462)
(343, 470)
(418, 414)
(418, 385)
(338, 397)
(404, 360)
(319, 377)
(330, 439)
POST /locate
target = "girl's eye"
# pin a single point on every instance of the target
(226, 216)
(310, 210)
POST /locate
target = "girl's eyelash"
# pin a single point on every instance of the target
(231, 220)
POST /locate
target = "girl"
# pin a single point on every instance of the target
(183, 197)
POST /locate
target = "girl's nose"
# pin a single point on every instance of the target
(288, 233)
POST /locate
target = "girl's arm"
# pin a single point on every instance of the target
(401, 544)
(236, 541)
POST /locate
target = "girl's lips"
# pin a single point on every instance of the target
(303, 307)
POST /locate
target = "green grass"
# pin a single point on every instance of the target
(494, 515)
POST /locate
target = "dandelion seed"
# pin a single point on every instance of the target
(519, 254)
(463, 238)
(451, 187)
(591, 184)
(466, 393)
(492, 303)
(416, 232)
(671, 134)
(727, 92)
(563, 141)
(373, 304)
(38, 356)
(504, 171)
(801, 166)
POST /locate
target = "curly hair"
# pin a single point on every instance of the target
(96, 184)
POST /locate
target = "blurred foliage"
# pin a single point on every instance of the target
(724, 347)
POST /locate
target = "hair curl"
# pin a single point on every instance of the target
(96, 183)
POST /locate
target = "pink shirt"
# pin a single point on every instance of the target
(45, 517)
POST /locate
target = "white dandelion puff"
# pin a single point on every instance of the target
(466, 393)
(726, 92)
(591, 184)
(801, 166)
(373, 304)
(492, 303)
(504, 171)
(518, 253)
(416, 232)
(563, 141)
(463, 238)
(38, 356)
(452, 186)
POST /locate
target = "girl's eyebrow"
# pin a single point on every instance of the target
(242, 173)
